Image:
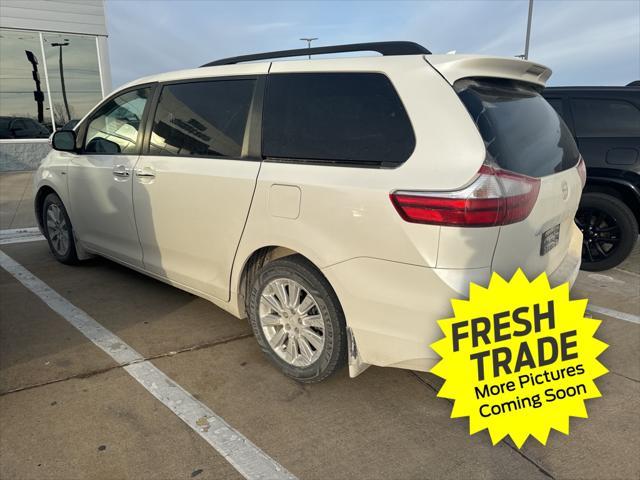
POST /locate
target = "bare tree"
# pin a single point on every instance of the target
(60, 114)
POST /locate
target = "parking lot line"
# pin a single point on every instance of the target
(628, 272)
(627, 317)
(240, 452)
(20, 235)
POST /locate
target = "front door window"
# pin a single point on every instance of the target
(115, 127)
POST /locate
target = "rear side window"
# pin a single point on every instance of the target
(521, 131)
(596, 117)
(343, 118)
(202, 119)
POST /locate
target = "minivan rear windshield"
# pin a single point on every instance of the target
(521, 131)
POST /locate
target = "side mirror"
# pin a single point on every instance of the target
(64, 140)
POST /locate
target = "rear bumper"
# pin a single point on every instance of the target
(568, 270)
(392, 308)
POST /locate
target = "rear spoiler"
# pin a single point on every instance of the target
(455, 67)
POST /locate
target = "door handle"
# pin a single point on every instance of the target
(120, 171)
(145, 173)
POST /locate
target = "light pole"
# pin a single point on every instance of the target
(64, 90)
(309, 40)
(526, 42)
(38, 93)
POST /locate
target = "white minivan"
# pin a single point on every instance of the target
(339, 203)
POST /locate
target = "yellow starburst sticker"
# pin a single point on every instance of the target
(519, 358)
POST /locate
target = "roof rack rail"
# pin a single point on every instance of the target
(385, 48)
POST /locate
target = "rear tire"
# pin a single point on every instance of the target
(309, 346)
(609, 229)
(58, 230)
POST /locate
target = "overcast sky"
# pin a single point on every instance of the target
(585, 42)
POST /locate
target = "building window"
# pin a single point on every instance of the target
(27, 109)
(76, 88)
(24, 108)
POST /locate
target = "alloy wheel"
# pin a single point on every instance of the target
(57, 229)
(600, 234)
(292, 322)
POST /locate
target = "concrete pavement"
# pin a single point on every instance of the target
(62, 399)
(68, 410)
(16, 200)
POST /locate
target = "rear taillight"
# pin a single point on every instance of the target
(582, 171)
(496, 197)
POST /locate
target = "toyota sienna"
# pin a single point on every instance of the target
(338, 203)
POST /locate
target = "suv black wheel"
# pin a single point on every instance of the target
(297, 319)
(58, 230)
(609, 231)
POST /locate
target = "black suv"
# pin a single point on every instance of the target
(605, 122)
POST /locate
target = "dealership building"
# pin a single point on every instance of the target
(54, 67)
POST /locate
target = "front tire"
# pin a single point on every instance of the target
(609, 231)
(58, 230)
(297, 319)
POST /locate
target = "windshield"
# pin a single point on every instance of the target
(521, 131)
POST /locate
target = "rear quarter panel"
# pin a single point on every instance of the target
(345, 212)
